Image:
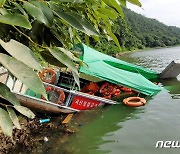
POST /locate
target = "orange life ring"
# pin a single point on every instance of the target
(48, 75)
(61, 94)
(134, 101)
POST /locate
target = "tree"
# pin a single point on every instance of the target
(30, 28)
(151, 32)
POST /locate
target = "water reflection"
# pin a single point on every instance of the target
(93, 126)
(160, 118)
(156, 59)
(173, 87)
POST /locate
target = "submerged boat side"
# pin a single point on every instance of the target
(74, 101)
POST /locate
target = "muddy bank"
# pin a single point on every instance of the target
(34, 136)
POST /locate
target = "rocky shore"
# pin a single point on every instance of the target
(33, 136)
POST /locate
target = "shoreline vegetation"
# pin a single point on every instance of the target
(122, 53)
(116, 54)
(137, 32)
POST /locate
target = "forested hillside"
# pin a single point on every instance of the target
(137, 32)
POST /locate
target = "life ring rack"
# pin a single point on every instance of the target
(48, 75)
(134, 101)
(61, 94)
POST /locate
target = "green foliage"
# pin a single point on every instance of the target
(151, 32)
(29, 28)
(23, 72)
(13, 117)
(114, 3)
(6, 94)
(108, 48)
(5, 122)
(138, 32)
(2, 3)
(136, 2)
(15, 20)
(62, 57)
(21, 53)
(7, 119)
(25, 111)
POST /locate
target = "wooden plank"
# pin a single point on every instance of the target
(67, 119)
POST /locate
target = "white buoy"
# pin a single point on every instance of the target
(46, 139)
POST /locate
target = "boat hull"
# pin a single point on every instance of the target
(42, 105)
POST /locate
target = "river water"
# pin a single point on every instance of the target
(124, 130)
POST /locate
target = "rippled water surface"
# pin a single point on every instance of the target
(123, 130)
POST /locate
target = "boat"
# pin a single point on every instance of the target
(75, 101)
(171, 71)
(116, 71)
(101, 70)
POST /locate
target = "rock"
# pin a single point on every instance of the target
(33, 136)
(46, 139)
(80, 125)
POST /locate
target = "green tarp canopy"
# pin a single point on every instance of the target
(117, 71)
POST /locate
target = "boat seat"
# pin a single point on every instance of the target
(31, 93)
